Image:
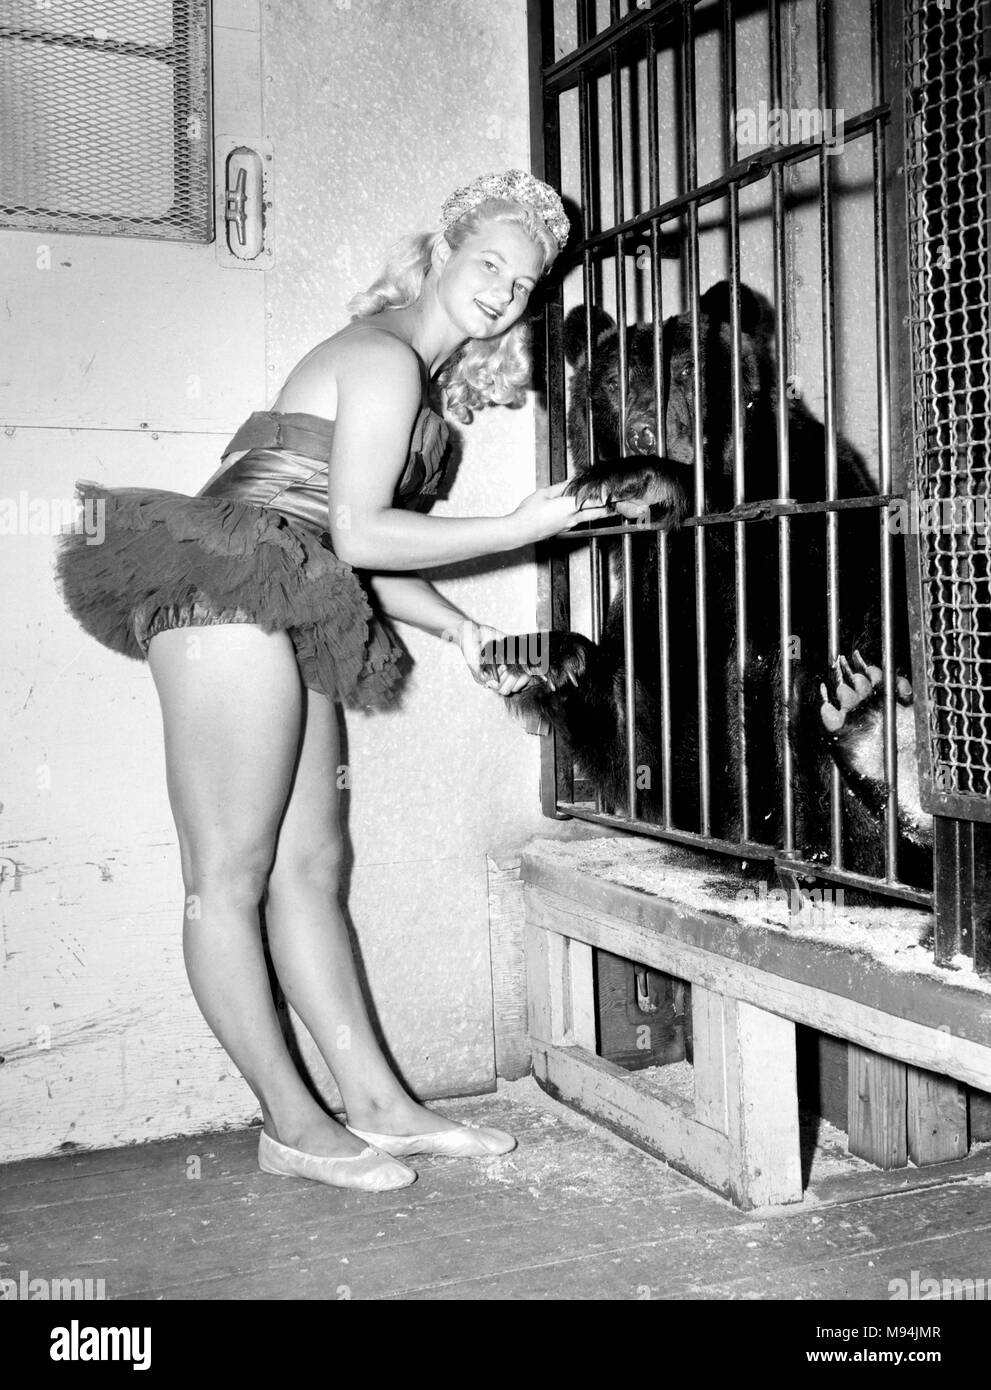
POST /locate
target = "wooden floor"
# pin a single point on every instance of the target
(573, 1213)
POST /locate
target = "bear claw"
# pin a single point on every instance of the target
(554, 658)
(631, 486)
(853, 688)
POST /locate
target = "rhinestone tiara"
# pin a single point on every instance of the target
(519, 187)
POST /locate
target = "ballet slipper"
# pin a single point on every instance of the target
(370, 1170)
(472, 1141)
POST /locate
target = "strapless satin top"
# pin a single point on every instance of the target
(288, 453)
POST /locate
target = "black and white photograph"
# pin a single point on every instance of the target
(496, 685)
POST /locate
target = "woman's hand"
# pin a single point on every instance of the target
(547, 512)
(472, 639)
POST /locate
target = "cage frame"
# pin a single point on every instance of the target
(962, 862)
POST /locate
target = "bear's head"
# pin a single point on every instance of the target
(600, 387)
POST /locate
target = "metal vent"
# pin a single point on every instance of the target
(948, 146)
(105, 117)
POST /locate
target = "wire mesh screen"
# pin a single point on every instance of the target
(105, 121)
(948, 150)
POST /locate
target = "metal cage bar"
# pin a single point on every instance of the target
(736, 379)
(701, 626)
(788, 848)
(881, 294)
(829, 408)
(657, 316)
(557, 773)
(619, 201)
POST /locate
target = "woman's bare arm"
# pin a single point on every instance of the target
(410, 598)
(378, 398)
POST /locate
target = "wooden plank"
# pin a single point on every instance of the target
(540, 1010)
(506, 951)
(558, 987)
(877, 1116)
(936, 1116)
(762, 1095)
(561, 988)
(846, 1015)
(932, 999)
(606, 1093)
(746, 1085)
(709, 1043)
(582, 987)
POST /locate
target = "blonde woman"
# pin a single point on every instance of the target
(263, 563)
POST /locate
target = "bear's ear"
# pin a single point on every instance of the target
(574, 332)
(756, 313)
(715, 302)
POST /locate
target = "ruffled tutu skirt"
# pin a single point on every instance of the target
(163, 559)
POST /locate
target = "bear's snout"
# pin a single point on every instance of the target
(641, 437)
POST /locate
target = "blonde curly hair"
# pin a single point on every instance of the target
(485, 371)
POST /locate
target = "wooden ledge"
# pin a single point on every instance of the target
(854, 972)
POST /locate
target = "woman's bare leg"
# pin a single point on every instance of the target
(231, 702)
(309, 941)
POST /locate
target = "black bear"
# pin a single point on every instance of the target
(830, 712)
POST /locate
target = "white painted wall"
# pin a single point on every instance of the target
(376, 110)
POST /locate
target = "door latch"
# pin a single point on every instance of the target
(244, 202)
